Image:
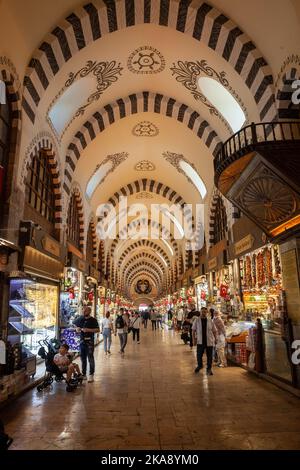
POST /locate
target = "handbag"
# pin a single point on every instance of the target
(130, 328)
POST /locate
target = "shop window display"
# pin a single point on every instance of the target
(261, 284)
(70, 307)
(32, 312)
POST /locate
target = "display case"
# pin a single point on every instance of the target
(33, 309)
(71, 306)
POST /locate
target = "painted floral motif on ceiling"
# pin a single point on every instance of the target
(116, 159)
(105, 72)
(146, 60)
(187, 73)
(144, 195)
(145, 129)
(144, 165)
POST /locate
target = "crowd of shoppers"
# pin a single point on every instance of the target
(204, 329)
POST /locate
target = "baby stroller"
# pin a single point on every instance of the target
(5, 440)
(185, 335)
(47, 351)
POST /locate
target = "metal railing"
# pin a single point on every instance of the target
(256, 135)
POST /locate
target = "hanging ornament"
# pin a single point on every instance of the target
(223, 290)
(91, 296)
(203, 295)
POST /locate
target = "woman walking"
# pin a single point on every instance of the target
(107, 329)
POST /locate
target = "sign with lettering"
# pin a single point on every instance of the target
(245, 244)
(51, 246)
(212, 263)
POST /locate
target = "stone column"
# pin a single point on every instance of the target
(290, 258)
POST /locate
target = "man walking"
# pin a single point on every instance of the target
(87, 326)
(204, 336)
(122, 323)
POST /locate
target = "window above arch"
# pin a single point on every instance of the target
(73, 222)
(97, 177)
(223, 101)
(220, 221)
(194, 177)
(40, 193)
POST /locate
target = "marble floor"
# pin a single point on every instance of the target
(151, 399)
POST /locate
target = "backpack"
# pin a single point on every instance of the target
(120, 322)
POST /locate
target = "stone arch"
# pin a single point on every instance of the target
(150, 186)
(197, 19)
(139, 270)
(146, 256)
(144, 272)
(9, 76)
(133, 104)
(143, 244)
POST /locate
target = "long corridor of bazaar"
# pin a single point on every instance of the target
(150, 162)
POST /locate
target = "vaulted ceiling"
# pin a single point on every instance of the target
(115, 83)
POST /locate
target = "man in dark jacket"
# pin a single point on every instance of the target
(87, 326)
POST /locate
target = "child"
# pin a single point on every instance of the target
(64, 363)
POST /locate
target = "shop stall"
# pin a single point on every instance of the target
(72, 299)
(201, 291)
(34, 299)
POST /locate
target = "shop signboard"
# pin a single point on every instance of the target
(40, 264)
(244, 245)
(212, 263)
(76, 263)
(51, 246)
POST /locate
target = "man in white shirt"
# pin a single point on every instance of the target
(179, 318)
(204, 336)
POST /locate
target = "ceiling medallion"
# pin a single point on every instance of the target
(145, 129)
(144, 165)
(187, 73)
(146, 59)
(143, 287)
(144, 195)
(269, 200)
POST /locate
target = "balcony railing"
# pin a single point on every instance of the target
(253, 136)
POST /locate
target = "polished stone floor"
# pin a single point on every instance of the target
(151, 399)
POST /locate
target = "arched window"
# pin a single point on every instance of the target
(190, 259)
(220, 222)
(101, 258)
(39, 187)
(73, 222)
(90, 246)
(5, 128)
